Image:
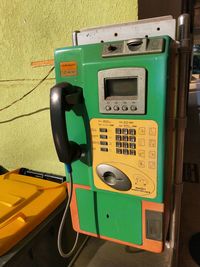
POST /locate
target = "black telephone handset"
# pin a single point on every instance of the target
(63, 97)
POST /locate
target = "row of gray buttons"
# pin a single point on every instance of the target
(126, 145)
(124, 108)
(125, 138)
(125, 131)
(126, 151)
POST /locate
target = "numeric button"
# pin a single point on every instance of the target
(132, 138)
(118, 130)
(125, 131)
(132, 145)
(119, 151)
(132, 152)
(118, 144)
(132, 131)
(125, 138)
(125, 145)
(118, 137)
(125, 151)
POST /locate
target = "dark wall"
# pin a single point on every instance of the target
(197, 22)
(157, 8)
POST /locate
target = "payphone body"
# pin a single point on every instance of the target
(123, 179)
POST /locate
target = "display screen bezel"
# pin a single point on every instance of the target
(124, 105)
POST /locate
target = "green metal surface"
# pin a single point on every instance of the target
(110, 220)
(89, 62)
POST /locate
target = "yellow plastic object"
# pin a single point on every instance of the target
(24, 203)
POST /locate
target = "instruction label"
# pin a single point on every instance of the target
(68, 68)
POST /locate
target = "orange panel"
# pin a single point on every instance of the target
(148, 244)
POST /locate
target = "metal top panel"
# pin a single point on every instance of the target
(148, 27)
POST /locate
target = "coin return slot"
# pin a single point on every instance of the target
(113, 177)
(109, 178)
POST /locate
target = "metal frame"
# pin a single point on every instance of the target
(139, 29)
(185, 52)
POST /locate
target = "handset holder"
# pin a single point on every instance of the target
(63, 97)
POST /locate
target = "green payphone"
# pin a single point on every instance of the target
(116, 103)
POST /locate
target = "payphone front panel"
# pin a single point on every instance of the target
(122, 127)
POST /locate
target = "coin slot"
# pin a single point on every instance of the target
(134, 44)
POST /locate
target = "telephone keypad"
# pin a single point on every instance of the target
(125, 138)
(125, 142)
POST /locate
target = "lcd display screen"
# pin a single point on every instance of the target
(126, 88)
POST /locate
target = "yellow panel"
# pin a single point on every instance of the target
(135, 154)
(24, 203)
